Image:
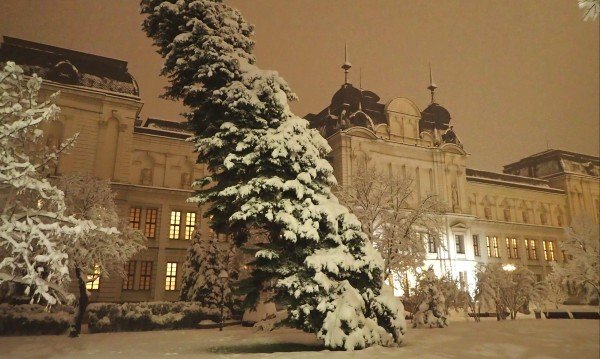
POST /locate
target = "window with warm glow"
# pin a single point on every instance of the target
(171, 276)
(515, 248)
(489, 247)
(93, 280)
(135, 215)
(190, 224)
(175, 224)
(151, 221)
(145, 275)
(129, 275)
(496, 252)
(548, 250)
(530, 249)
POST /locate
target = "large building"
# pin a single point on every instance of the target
(517, 216)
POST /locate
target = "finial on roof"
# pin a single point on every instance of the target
(347, 65)
(431, 86)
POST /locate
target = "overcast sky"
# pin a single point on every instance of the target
(515, 75)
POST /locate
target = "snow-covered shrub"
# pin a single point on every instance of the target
(267, 170)
(34, 319)
(143, 316)
(431, 311)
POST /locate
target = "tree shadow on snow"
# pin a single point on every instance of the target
(267, 348)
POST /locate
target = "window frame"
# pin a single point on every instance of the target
(175, 224)
(94, 283)
(135, 217)
(188, 229)
(171, 276)
(129, 279)
(145, 278)
(459, 241)
(151, 223)
(476, 251)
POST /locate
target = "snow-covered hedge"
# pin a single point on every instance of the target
(115, 317)
(34, 319)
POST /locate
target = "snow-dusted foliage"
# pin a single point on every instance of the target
(107, 247)
(431, 311)
(205, 260)
(506, 289)
(35, 231)
(591, 9)
(582, 267)
(269, 172)
(396, 222)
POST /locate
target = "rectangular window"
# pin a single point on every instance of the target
(135, 215)
(532, 251)
(93, 280)
(496, 252)
(151, 221)
(489, 247)
(460, 245)
(129, 275)
(145, 275)
(476, 245)
(171, 276)
(548, 250)
(431, 247)
(190, 224)
(175, 223)
(515, 248)
(508, 248)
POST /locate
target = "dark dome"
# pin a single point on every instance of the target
(434, 116)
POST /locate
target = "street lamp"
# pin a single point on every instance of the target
(223, 278)
(509, 267)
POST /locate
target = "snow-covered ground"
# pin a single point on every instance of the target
(526, 338)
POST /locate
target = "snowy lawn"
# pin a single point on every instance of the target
(508, 339)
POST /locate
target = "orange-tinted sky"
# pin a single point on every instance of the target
(514, 74)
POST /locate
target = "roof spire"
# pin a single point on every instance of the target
(431, 86)
(347, 65)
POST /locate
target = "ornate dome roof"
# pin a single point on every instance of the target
(434, 116)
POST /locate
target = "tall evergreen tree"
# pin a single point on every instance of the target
(268, 172)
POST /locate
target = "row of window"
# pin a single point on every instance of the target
(144, 278)
(512, 247)
(178, 229)
(544, 220)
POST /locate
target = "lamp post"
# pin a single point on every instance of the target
(223, 278)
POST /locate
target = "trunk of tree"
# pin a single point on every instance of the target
(82, 304)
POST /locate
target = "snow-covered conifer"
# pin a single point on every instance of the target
(205, 260)
(35, 232)
(431, 310)
(269, 172)
(107, 247)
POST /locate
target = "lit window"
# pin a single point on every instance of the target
(175, 223)
(129, 275)
(135, 215)
(530, 249)
(496, 253)
(460, 246)
(190, 224)
(476, 245)
(548, 250)
(145, 275)
(511, 248)
(171, 276)
(151, 220)
(489, 248)
(93, 280)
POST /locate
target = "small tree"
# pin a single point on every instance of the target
(108, 247)
(395, 221)
(205, 260)
(35, 230)
(490, 278)
(431, 310)
(581, 269)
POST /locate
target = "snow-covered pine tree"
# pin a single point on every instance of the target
(204, 262)
(35, 232)
(268, 172)
(431, 310)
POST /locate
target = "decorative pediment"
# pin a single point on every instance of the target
(459, 227)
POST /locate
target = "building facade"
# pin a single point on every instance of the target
(517, 216)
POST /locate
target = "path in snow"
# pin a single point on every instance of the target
(489, 339)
